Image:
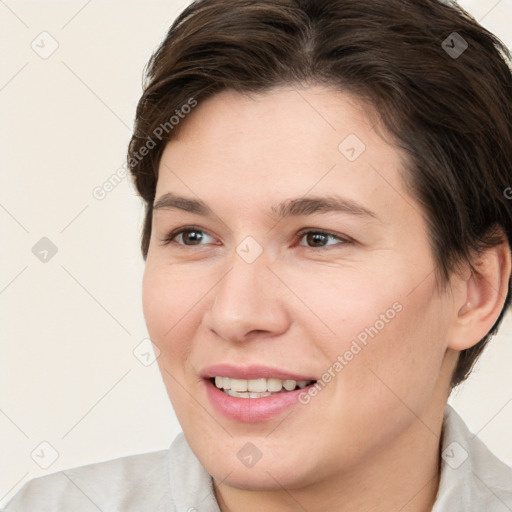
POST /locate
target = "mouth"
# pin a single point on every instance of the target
(257, 388)
(254, 393)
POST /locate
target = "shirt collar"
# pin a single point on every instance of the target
(472, 477)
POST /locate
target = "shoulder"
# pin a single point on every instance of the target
(136, 482)
(472, 477)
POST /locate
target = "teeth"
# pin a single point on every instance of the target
(274, 385)
(289, 385)
(236, 394)
(257, 385)
(256, 388)
(238, 385)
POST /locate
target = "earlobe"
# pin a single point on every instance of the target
(486, 290)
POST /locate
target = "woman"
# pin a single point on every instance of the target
(327, 246)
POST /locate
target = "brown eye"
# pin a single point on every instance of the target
(321, 239)
(191, 237)
(188, 237)
(316, 239)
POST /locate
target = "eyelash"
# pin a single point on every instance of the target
(343, 239)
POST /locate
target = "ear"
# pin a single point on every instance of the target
(481, 296)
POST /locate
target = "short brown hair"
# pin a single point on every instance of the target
(451, 113)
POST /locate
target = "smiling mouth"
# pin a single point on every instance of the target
(257, 388)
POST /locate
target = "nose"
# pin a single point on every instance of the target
(248, 304)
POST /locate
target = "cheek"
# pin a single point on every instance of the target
(171, 302)
(383, 369)
(384, 333)
(156, 304)
(400, 366)
(340, 304)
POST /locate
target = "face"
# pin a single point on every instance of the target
(296, 258)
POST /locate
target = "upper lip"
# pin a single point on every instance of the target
(250, 372)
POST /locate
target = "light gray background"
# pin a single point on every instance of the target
(70, 325)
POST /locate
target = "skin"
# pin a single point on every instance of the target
(369, 440)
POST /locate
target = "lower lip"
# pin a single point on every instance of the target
(251, 410)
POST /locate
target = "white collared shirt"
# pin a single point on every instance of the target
(173, 480)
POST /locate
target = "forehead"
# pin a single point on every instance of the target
(250, 150)
(277, 123)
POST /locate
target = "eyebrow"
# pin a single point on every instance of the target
(288, 208)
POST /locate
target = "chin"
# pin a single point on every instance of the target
(264, 478)
(272, 472)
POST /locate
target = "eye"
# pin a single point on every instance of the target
(187, 236)
(191, 236)
(318, 238)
